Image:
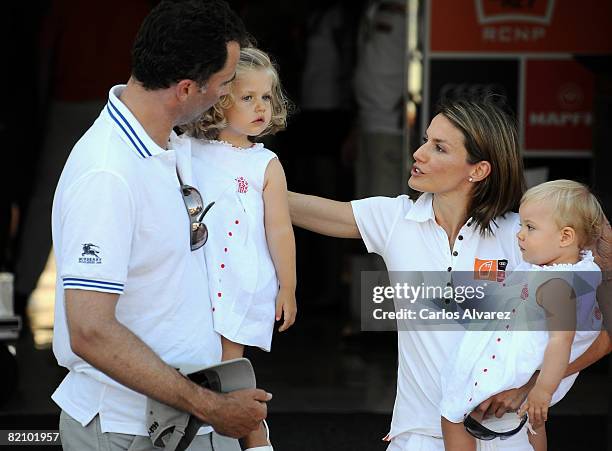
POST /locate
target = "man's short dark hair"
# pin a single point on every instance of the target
(184, 39)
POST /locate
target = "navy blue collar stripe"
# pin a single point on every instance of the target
(125, 131)
(125, 121)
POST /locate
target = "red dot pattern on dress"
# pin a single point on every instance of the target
(485, 370)
(237, 222)
(225, 249)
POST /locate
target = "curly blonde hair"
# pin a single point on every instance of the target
(210, 124)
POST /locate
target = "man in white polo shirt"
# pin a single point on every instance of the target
(132, 299)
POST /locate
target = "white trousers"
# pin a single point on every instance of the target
(409, 441)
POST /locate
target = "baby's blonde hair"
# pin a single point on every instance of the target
(573, 205)
(214, 120)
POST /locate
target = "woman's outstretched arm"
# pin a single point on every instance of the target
(324, 216)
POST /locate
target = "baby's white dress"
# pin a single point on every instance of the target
(489, 362)
(241, 275)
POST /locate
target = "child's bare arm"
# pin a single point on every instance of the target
(555, 362)
(281, 242)
(558, 300)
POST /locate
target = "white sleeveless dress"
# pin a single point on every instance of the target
(489, 362)
(241, 274)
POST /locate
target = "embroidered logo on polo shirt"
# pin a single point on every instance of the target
(90, 254)
(494, 270)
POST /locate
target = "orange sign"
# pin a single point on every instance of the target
(561, 26)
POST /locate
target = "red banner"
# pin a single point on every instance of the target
(561, 26)
(558, 106)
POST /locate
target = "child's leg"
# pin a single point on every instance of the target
(538, 441)
(232, 350)
(456, 438)
(256, 438)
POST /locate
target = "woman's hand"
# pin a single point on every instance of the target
(506, 401)
(602, 250)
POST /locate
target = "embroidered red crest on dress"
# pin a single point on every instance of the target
(525, 292)
(597, 313)
(243, 185)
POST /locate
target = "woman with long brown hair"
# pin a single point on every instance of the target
(469, 174)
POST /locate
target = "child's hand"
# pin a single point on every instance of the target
(536, 406)
(286, 307)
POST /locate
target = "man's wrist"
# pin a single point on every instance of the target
(201, 402)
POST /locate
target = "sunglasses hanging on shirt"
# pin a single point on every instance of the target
(195, 209)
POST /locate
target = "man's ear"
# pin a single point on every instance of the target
(568, 236)
(480, 171)
(183, 88)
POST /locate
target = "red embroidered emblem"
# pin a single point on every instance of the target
(597, 313)
(243, 185)
(525, 293)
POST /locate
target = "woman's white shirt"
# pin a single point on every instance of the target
(404, 232)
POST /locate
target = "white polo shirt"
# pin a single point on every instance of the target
(406, 235)
(120, 226)
(408, 238)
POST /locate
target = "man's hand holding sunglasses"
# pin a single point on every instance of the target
(506, 401)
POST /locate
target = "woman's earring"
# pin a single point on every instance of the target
(470, 179)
